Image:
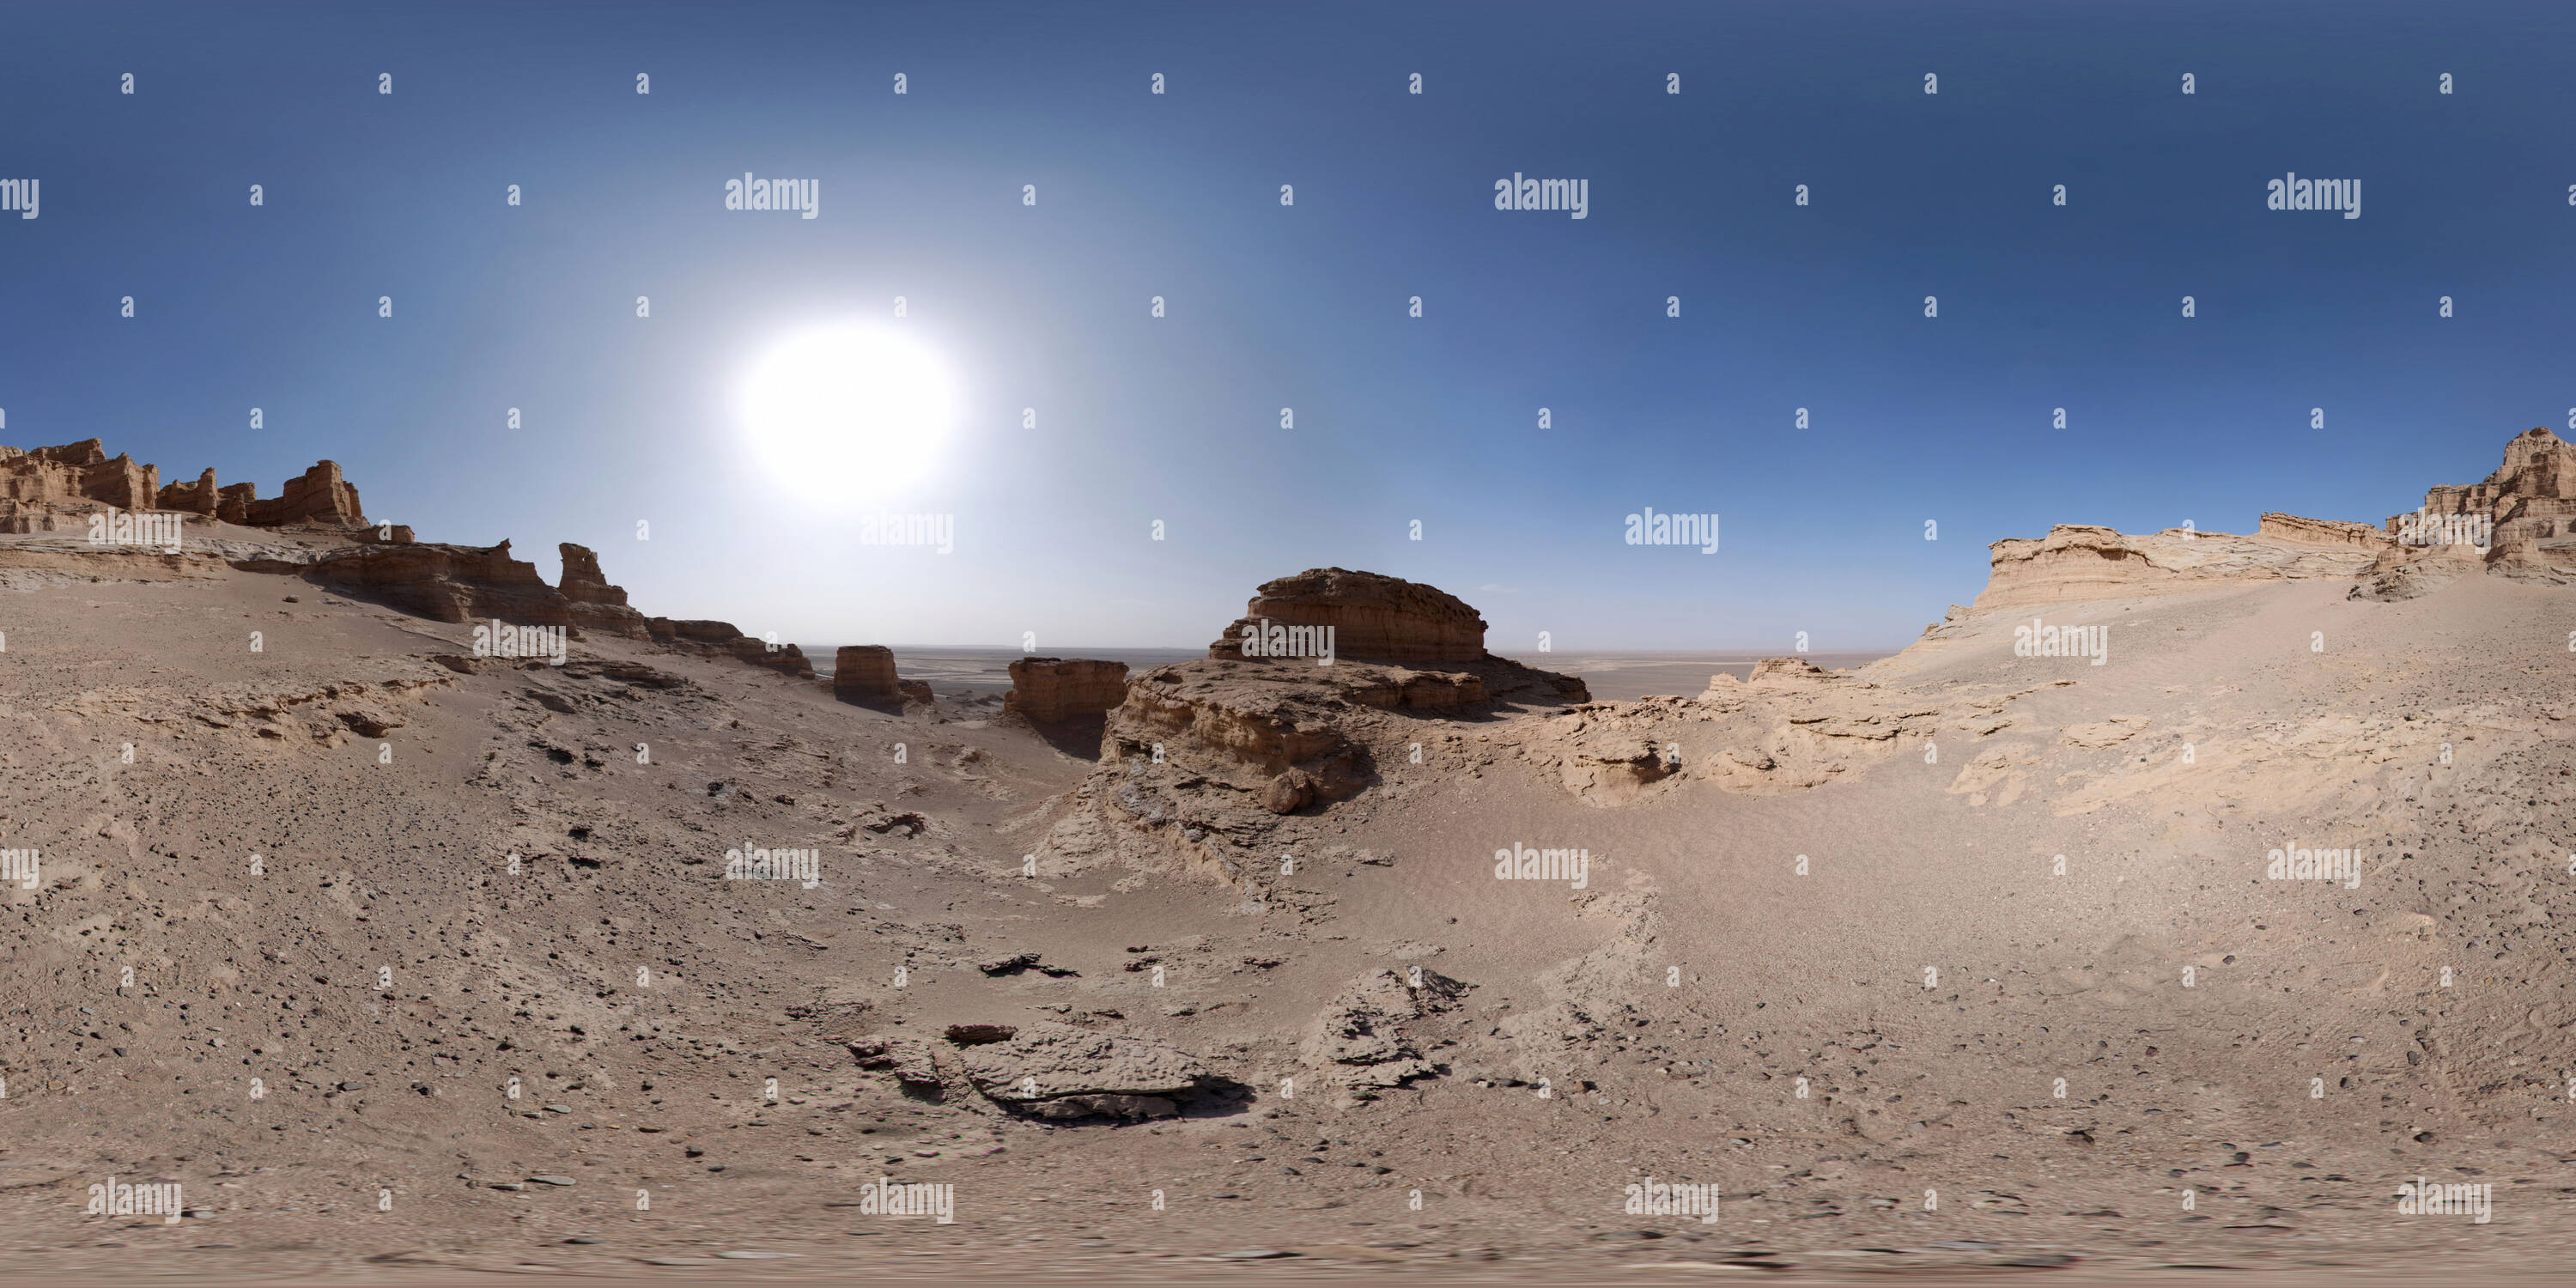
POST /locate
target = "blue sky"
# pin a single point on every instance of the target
(1177, 195)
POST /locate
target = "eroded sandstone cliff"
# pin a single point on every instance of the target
(1056, 688)
(2520, 522)
(1374, 618)
(53, 489)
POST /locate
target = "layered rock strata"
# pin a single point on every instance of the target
(51, 489)
(1372, 617)
(1057, 689)
(451, 583)
(2520, 522)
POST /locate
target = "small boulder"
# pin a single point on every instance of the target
(1290, 791)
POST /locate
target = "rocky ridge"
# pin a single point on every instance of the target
(2528, 505)
(48, 489)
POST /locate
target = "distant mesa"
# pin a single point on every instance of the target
(1058, 689)
(1375, 618)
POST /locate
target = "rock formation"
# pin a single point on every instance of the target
(50, 489)
(2333, 532)
(451, 583)
(864, 673)
(2526, 508)
(319, 495)
(2520, 522)
(1226, 750)
(1055, 689)
(713, 637)
(1051, 1070)
(232, 504)
(2077, 562)
(1361, 1039)
(199, 498)
(1375, 618)
(582, 580)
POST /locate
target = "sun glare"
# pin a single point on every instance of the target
(848, 409)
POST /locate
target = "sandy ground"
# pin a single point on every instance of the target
(1926, 982)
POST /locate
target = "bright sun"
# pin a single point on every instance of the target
(847, 408)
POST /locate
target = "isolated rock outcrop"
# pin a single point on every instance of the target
(1361, 1038)
(1055, 688)
(582, 583)
(864, 673)
(1375, 618)
(1051, 1070)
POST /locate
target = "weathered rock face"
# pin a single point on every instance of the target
(201, 497)
(319, 495)
(864, 673)
(2526, 508)
(2520, 522)
(42, 488)
(2333, 532)
(451, 583)
(1054, 688)
(51, 488)
(2077, 562)
(582, 580)
(122, 483)
(712, 637)
(1374, 618)
(232, 504)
